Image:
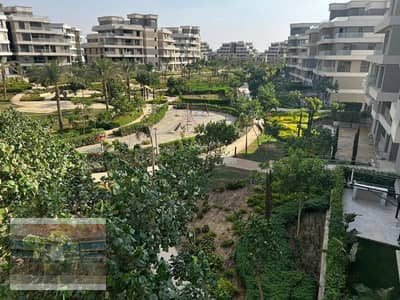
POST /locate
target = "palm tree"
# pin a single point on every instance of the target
(8, 65)
(51, 74)
(127, 69)
(103, 69)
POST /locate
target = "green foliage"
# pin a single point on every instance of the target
(337, 260)
(177, 86)
(236, 185)
(335, 143)
(371, 177)
(32, 97)
(227, 243)
(216, 134)
(199, 87)
(155, 117)
(149, 78)
(17, 85)
(317, 142)
(264, 260)
(267, 97)
(223, 109)
(84, 139)
(204, 100)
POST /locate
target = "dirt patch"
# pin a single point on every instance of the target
(219, 207)
(307, 248)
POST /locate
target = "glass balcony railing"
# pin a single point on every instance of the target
(334, 52)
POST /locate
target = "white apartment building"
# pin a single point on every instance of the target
(276, 53)
(297, 50)
(35, 40)
(382, 88)
(5, 52)
(206, 51)
(345, 42)
(168, 53)
(237, 51)
(134, 39)
(188, 41)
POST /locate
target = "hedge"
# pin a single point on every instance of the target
(223, 109)
(372, 177)
(200, 100)
(336, 261)
(148, 121)
(18, 87)
(84, 140)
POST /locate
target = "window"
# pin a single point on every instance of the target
(364, 68)
(344, 66)
(21, 25)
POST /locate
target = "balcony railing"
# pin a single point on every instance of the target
(334, 52)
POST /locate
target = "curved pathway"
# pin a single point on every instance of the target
(46, 106)
(171, 128)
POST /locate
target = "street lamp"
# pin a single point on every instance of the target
(155, 137)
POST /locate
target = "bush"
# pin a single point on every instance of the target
(84, 140)
(236, 185)
(199, 100)
(16, 86)
(227, 243)
(32, 97)
(372, 177)
(256, 200)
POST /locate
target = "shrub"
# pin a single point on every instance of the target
(236, 185)
(336, 261)
(205, 229)
(199, 100)
(256, 200)
(225, 289)
(227, 243)
(84, 140)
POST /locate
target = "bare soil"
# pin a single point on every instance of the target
(221, 205)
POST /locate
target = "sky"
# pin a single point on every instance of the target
(257, 21)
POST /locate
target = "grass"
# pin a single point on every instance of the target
(270, 149)
(128, 118)
(375, 267)
(223, 175)
(5, 105)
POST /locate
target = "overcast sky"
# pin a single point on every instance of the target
(257, 21)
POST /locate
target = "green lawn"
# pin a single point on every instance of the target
(375, 267)
(270, 149)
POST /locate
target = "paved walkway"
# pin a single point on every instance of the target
(171, 128)
(375, 220)
(46, 106)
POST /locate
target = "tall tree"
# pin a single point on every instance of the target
(54, 74)
(8, 66)
(267, 97)
(127, 69)
(355, 147)
(104, 70)
(295, 97)
(313, 104)
(300, 178)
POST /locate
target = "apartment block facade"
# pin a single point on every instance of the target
(237, 51)
(34, 40)
(188, 42)
(336, 51)
(382, 88)
(298, 52)
(5, 51)
(206, 51)
(134, 39)
(168, 53)
(276, 53)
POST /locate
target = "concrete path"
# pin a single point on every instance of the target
(171, 128)
(46, 106)
(243, 164)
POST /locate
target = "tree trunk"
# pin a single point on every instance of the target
(60, 120)
(128, 88)
(299, 217)
(4, 81)
(259, 287)
(105, 92)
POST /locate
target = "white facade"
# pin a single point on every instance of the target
(188, 42)
(237, 51)
(134, 39)
(382, 88)
(168, 53)
(276, 53)
(5, 51)
(35, 40)
(206, 51)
